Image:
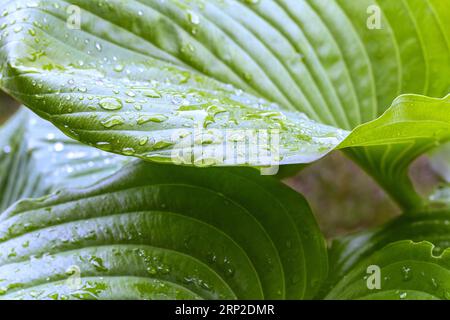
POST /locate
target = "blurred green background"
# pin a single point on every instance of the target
(343, 197)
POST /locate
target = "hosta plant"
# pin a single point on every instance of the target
(135, 175)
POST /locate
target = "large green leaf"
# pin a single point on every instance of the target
(36, 159)
(137, 79)
(407, 270)
(164, 231)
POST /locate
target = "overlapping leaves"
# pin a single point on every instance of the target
(411, 254)
(154, 79)
(159, 231)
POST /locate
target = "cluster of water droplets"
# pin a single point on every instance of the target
(148, 117)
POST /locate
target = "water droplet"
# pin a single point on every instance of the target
(162, 144)
(153, 118)
(12, 253)
(230, 272)
(152, 270)
(119, 68)
(113, 121)
(143, 141)
(187, 48)
(434, 283)
(193, 17)
(110, 104)
(58, 147)
(103, 145)
(128, 151)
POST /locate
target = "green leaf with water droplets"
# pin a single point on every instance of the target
(440, 162)
(114, 97)
(162, 231)
(36, 159)
(208, 71)
(432, 225)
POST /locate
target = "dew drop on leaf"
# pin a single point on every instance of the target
(110, 103)
(58, 147)
(151, 93)
(113, 121)
(151, 118)
(119, 68)
(128, 151)
(406, 273)
(193, 17)
(162, 144)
